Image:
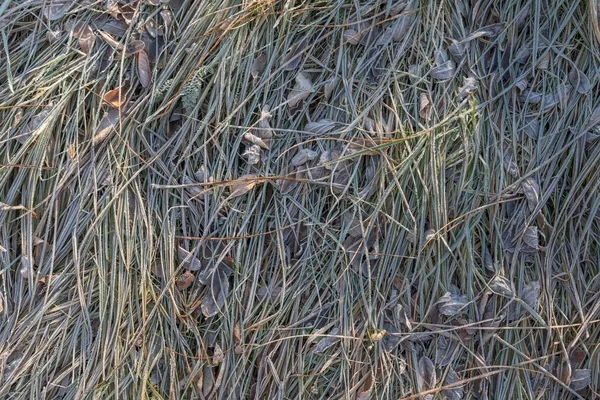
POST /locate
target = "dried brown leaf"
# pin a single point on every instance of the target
(134, 47)
(365, 391)
(218, 355)
(185, 280)
(116, 97)
(237, 333)
(425, 106)
(111, 41)
(143, 69)
(108, 124)
(253, 139)
(85, 37)
(531, 294)
(242, 185)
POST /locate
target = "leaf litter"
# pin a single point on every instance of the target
(514, 113)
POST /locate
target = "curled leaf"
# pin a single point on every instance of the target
(252, 154)
(218, 289)
(253, 139)
(116, 97)
(365, 391)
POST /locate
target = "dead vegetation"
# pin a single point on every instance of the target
(299, 199)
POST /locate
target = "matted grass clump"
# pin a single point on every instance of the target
(285, 199)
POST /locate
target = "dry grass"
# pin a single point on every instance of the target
(407, 209)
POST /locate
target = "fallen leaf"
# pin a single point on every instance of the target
(252, 154)
(303, 156)
(188, 260)
(544, 61)
(402, 25)
(253, 139)
(258, 66)
(443, 71)
(502, 286)
(218, 289)
(217, 357)
(531, 238)
(580, 379)
(302, 89)
(468, 87)
(530, 97)
(365, 391)
(532, 128)
(268, 292)
(531, 294)
(134, 47)
(184, 280)
(327, 341)
(48, 279)
(426, 376)
(560, 95)
(108, 124)
(111, 41)
(237, 333)
(579, 81)
(454, 393)
(329, 86)
(352, 36)
(425, 106)
(452, 304)
(116, 97)
(293, 58)
(531, 190)
(85, 36)
(320, 127)
(57, 9)
(242, 185)
(143, 69)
